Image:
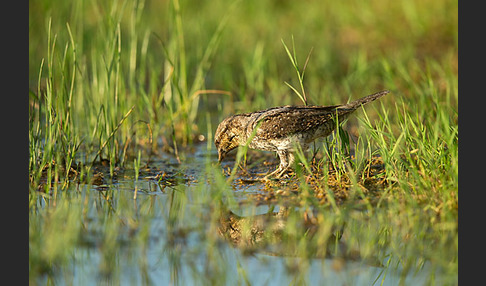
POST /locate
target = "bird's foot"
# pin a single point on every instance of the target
(284, 174)
(279, 173)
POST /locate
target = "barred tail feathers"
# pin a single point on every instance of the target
(364, 100)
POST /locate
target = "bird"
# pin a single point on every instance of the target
(279, 129)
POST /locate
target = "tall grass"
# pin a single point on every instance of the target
(86, 92)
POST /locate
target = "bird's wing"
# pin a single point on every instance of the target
(289, 120)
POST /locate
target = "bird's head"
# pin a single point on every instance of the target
(227, 136)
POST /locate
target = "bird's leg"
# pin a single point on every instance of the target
(286, 161)
(281, 166)
(289, 161)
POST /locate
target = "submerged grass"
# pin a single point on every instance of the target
(382, 190)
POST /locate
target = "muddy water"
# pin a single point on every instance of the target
(183, 228)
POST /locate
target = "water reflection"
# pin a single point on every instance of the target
(287, 231)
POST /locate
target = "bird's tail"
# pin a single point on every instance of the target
(364, 100)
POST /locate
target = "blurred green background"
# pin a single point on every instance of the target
(353, 43)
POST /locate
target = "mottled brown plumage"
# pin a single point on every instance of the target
(280, 128)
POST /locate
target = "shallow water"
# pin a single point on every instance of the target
(171, 235)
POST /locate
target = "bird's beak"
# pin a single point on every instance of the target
(221, 155)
